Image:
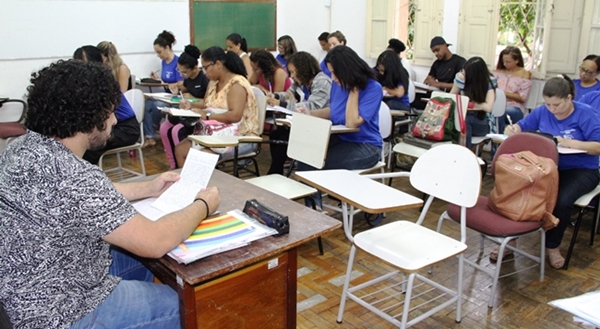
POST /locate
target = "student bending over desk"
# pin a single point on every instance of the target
(175, 129)
(69, 235)
(574, 125)
(163, 46)
(228, 89)
(268, 73)
(354, 104)
(310, 90)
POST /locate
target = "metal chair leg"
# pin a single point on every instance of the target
(573, 238)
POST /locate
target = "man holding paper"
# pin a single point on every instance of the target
(68, 233)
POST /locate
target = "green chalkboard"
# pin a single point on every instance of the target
(213, 21)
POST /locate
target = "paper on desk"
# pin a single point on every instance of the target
(180, 112)
(583, 306)
(497, 137)
(195, 175)
(279, 109)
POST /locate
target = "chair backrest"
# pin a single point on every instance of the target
(12, 110)
(135, 97)
(309, 139)
(465, 102)
(448, 172)
(261, 103)
(499, 107)
(412, 92)
(526, 141)
(385, 121)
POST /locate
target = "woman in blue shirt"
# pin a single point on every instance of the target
(163, 46)
(587, 82)
(574, 125)
(356, 105)
(286, 48)
(476, 82)
(394, 79)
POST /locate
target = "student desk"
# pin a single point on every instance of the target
(249, 287)
(152, 84)
(335, 129)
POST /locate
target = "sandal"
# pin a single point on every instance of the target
(507, 252)
(556, 259)
(149, 142)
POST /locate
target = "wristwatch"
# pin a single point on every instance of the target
(208, 115)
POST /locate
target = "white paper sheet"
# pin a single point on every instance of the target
(195, 175)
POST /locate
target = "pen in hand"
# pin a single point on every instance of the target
(509, 119)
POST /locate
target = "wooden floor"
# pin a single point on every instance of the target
(521, 300)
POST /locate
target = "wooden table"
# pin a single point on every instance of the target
(250, 287)
(358, 191)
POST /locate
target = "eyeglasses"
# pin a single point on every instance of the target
(184, 73)
(587, 72)
(204, 68)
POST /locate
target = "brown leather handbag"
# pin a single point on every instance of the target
(526, 188)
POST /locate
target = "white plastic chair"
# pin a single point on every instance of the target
(448, 172)
(308, 143)
(583, 203)
(135, 97)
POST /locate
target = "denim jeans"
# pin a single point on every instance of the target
(152, 116)
(572, 184)
(136, 302)
(515, 115)
(475, 127)
(345, 155)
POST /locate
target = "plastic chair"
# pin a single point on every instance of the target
(583, 203)
(308, 143)
(498, 111)
(447, 173)
(12, 112)
(497, 228)
(135, 97)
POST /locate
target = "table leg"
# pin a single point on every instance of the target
(187, 305)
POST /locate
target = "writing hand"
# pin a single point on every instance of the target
(510, 130)
(154, 76)
(563, 142)
(272, 101)
(185, 104)
(163, 182)
(173, 89)
(303, 110)
(212, 198)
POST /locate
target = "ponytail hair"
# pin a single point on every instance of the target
(109, 51)
(238, 40)
(560, 86)
(229, 59)
(165, 39)
(190, 56)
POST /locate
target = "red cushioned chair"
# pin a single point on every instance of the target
(498, 228)
(12, 112)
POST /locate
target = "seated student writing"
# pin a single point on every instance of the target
(163, 46)
(286, 48)
(268, 74)
(588, 72)
(355, 104)
(70, 239)
(574, 125)
(228, 89)
(476, 82)
(394, 79)
(310, 90)
(238, 45)
(175, 129)
(127, 130)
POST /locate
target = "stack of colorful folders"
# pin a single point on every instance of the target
(218, 234)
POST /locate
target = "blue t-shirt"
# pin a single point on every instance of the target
(168, 71)
(592, 99)
(581, 91)
(324, 68)
(582, 125)
(369, 101)
(404, 98)
(283, 61)
(124, 111)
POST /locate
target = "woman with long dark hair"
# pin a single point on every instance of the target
(476, 82)
(239, 45)
(515, 80)
(268, 75)
(394, 79)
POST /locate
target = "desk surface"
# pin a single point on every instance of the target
(423, 86)
(152, 84)
(305, 225)
(335, 129)
(361, 192)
